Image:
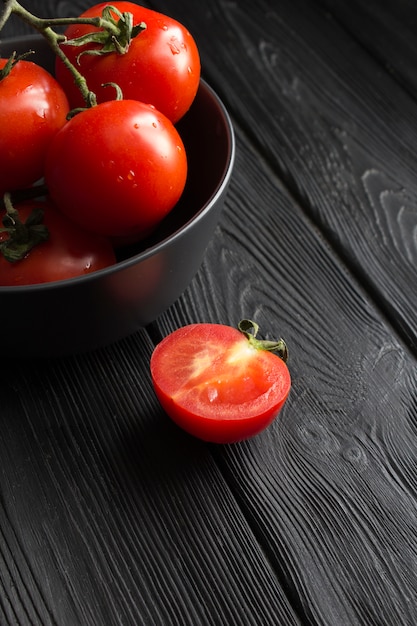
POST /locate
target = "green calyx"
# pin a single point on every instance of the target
(11, 62)
(250, 330)
(22, 236)
(116, 35)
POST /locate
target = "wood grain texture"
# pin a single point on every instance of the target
(109, 515)
(333, 123)
(330, 488)
(387, 30)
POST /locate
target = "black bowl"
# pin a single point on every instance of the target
(83, 313)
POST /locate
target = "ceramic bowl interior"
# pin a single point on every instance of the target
(93, 310)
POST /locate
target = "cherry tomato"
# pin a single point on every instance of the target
(67, 253)
(161, 67)
(33, 107)
(117, 168)
(216, 382)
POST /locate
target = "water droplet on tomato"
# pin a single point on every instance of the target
(174, 45)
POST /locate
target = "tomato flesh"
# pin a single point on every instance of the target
(215, 385)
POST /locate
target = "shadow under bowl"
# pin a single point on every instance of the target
(96, 309)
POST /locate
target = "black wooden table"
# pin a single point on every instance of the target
(109, 514)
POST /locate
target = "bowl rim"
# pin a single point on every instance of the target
(154, 248)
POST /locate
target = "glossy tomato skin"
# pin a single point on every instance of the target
(69, 252)
(33, 107)
(117, 168)
(216, 386)
(161, 67)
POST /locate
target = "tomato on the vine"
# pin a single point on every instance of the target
(219, 383)
(161, 66)
(66, 253)
(117, 168)
(33, 107)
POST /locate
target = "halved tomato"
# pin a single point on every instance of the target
(219, 383)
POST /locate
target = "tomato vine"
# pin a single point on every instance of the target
(116, 35)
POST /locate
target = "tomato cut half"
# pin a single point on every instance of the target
(217, 384)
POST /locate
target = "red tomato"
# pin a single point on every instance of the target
(68, 252)
(117, 168)
(161, 67)
(33, 107)
(216, 384)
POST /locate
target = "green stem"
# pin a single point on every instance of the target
(10, 210)
(250, 330)
(22, 195)
(6, 12)
(40, 23)
(112, 34)
(44, 27)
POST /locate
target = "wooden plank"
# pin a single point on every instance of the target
(387, 30)
(109, 515)
(334, 125)
(330, 489)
